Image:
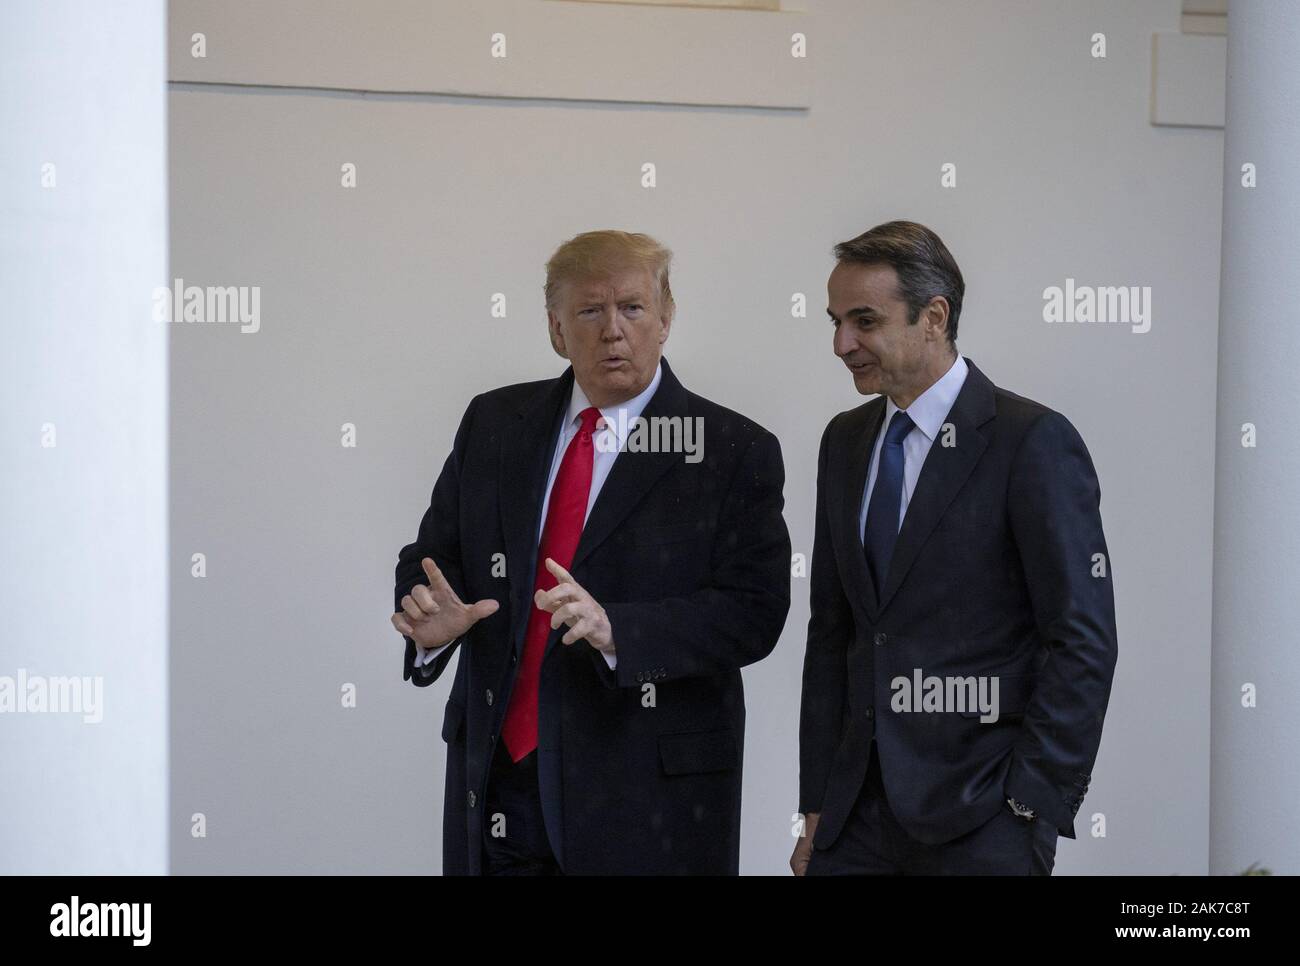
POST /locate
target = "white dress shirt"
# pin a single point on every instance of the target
(608, 443)
(929, 411)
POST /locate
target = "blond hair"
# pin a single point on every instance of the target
(599, 254)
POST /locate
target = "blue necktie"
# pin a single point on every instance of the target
(882, 512)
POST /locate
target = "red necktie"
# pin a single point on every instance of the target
(565, 515)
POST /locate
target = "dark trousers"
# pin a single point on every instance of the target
(514, 832)
(872, 842)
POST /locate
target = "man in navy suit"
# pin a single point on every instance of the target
(962, 638)
(605, 550)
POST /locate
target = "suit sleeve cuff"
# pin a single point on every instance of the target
(426, 655)
(1047, 803)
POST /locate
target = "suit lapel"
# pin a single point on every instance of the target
(945, 470)
(525, 465)
(845, 503)
(633, 474)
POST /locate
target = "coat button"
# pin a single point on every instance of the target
(489, 697)
(871, 713)
(880, 639)
(472, 798)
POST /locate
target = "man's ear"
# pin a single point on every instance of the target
(936, 317)
(557, 337)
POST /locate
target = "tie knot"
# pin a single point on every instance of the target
(899, 427)
(588, 417)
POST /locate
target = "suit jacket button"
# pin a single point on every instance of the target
(871, 713)
(472, 798)
(489, 697)
(880, 639)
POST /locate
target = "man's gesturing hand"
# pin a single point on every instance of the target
(568, 603)
(432, 616)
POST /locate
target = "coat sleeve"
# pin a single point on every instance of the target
(1054, 502)
(737, 619)
(439, 538)
(825, 663)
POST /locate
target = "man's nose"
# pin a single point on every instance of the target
(844, 342)
(611, 328)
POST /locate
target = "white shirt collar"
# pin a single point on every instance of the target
(620, 427)
(930, 409)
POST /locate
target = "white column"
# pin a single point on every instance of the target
(83, 437)
(1255, 752)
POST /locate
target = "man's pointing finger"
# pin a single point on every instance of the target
(560, 573)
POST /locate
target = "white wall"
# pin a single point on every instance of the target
(375, 311)
(83, 584)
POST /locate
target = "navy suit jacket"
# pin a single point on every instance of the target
(1000, 570)
(639, 767)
